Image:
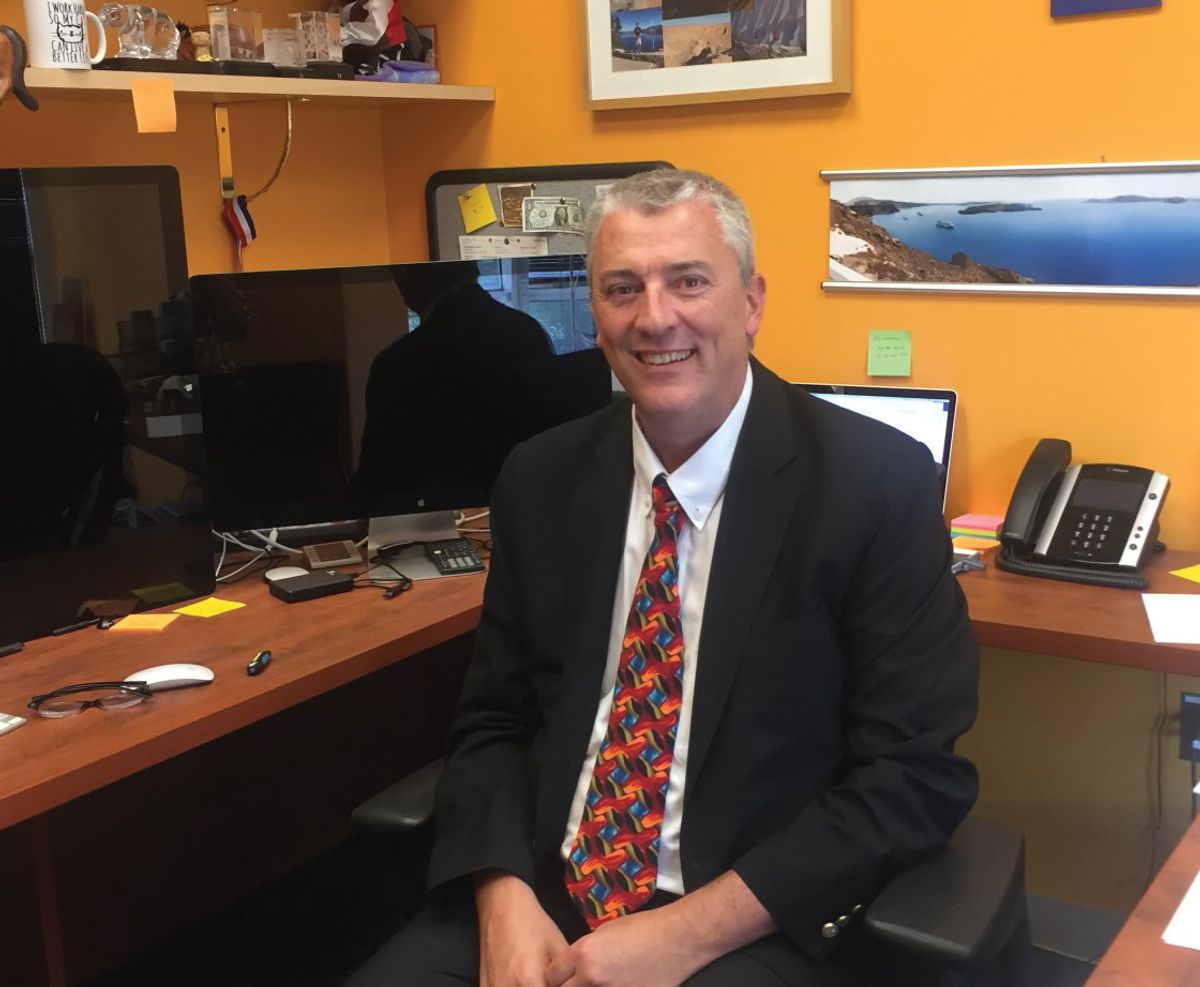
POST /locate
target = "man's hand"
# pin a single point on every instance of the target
(645, 949)
(665, 946)
(517, 939)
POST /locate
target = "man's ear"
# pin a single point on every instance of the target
(756, 300)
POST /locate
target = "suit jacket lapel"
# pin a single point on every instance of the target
(760, 496)
(597, 516)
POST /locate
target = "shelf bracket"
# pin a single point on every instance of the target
(225, 149)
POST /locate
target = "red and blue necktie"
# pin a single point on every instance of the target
(612, 868)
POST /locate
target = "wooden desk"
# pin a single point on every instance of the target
(69, 789)
(1105, 625)
(1138, 957)
(316, 646)
(279, 758)
(1090, 623)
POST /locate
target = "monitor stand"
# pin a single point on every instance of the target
(400, 529)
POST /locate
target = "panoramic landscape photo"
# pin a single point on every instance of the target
(1110, 229)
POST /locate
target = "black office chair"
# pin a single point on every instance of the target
(955, 918)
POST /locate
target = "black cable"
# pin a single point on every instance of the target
(392, 586)
(1069, 573)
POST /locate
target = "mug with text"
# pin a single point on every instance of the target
(57, 33)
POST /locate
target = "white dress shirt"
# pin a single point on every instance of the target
(699, 486)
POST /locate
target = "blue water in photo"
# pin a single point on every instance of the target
(650, 42)
(704, 20)
(1069, 241)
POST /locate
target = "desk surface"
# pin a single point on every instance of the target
(1091, 623)
(1138, 957)
(321, 644)
(316, 646)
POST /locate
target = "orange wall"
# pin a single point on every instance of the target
(935, 85)
(326, 209)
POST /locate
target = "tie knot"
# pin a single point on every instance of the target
(666, 507)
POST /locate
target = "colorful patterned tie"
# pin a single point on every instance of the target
(612, 868)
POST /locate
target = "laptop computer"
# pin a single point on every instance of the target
(926, 414)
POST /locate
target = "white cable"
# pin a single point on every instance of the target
(221, 560)
(238, 571)
(270, 540)
(474, 517)
(229, 537)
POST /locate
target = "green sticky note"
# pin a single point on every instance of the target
(889, 353)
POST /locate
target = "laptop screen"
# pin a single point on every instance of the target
(925, 414)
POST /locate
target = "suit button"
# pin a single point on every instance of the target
(829, 930)
(856, 909)
(843, 921)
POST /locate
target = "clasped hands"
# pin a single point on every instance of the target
(520, 946)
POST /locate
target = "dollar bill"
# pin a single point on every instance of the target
(551, 214)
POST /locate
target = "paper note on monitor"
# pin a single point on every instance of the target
(482, 247)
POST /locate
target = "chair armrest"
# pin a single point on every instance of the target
(960, 907)
(403, 807)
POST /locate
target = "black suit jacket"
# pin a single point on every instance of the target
(836, 666)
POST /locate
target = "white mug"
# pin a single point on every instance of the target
(57, 34)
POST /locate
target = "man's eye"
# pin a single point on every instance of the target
(619, 289)
(691, 282)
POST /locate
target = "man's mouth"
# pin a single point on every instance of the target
(660, 359)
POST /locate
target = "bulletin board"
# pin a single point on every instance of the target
(444, 218)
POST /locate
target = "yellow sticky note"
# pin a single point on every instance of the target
(889, 353)
(212, 607)
(145, 621)
(153, 103)
(980, 544)
(476, 208)
(1192, 572)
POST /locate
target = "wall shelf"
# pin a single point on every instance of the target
(237, 88)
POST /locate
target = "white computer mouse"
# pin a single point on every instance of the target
(284, 572)
(161, 677)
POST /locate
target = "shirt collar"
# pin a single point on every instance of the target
(699, 482)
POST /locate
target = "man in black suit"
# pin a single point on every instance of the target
(827, 660)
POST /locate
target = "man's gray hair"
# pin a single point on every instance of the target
(652, 191)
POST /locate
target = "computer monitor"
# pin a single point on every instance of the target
(338, 394)
(101, 500)
(925, 414)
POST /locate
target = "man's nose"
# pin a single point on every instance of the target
(656, 312)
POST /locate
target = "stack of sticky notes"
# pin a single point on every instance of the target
(976, 531)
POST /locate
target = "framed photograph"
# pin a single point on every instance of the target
(668, 52)
(1065, 8)
(429, 33)
(1114, 229)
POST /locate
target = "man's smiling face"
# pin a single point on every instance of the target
(674, 319)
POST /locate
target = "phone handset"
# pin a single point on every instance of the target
(1033, 495)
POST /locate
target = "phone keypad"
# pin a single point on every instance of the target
(1089, 535)
(1091, 530)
